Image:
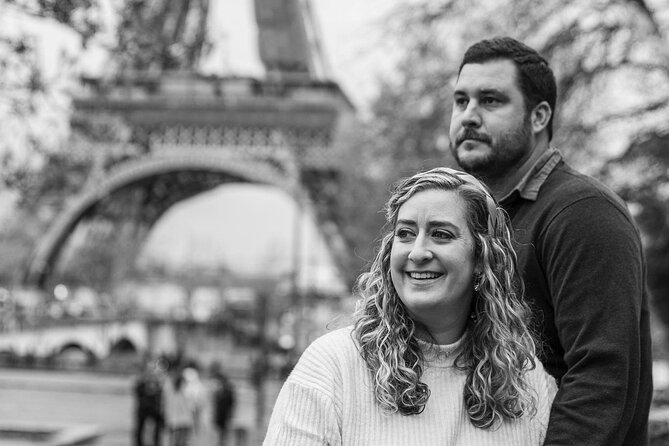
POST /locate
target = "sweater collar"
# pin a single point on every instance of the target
(528, 186)
(437, 355)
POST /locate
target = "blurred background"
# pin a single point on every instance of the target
(196, 184)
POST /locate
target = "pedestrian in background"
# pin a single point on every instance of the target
(224, 400)
(196, 393)
(148, 401)
(177, 409)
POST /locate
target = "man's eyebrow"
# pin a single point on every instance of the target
(481, 91)
(492, 91)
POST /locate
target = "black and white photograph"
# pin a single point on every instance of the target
(334, 222)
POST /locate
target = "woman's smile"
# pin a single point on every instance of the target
(424, 275)
(432, 258)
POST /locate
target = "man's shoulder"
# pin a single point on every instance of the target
(565, 186)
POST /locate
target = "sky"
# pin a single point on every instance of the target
(351, 33)
(249, 229)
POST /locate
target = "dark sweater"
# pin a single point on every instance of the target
(581, 259)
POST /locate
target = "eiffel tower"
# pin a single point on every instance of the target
(281, 125)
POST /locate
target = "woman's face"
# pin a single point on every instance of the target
(432, 260)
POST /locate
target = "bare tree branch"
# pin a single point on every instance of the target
(649, 14)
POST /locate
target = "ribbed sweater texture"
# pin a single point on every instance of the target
(328, 400)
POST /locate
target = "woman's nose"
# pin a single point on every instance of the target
(420, 252)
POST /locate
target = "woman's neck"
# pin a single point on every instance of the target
(445, 336)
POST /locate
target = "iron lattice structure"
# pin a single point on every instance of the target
(191, 133)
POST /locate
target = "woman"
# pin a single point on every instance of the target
(178, 409)
(440, 353)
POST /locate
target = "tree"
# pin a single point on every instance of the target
(82, 16)
(46, 152)
(34, 105)
(158, 35)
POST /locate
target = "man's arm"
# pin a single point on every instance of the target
(594, 268)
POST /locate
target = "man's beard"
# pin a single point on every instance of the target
(505, 154)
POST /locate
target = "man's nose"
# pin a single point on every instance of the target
(471, 116)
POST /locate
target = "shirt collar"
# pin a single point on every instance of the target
(528, 186)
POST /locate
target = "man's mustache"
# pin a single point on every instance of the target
(471, 134)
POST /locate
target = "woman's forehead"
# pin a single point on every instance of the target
(434, 204)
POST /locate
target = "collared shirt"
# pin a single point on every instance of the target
(528, 186)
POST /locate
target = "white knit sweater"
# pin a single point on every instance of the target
(328, 401)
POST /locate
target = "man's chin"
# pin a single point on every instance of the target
(472, 160)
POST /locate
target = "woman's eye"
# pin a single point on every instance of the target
(403, 233)
(443, 235)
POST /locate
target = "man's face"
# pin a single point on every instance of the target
(490, 130)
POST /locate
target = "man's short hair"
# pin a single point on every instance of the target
(536, 78)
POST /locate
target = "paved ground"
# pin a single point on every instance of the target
(40, 398)
(60, 398)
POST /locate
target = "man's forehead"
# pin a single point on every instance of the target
(497, 74)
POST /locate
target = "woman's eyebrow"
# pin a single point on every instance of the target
(431, 223)
(442, 224)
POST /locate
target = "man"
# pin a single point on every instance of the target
(579, 251)
(224, 405)
(148, 398)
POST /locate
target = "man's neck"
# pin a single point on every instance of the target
(503, 184)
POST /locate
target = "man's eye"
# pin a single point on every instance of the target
(490, 100)
(460, 102)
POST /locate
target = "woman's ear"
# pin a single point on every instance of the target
(541, 116)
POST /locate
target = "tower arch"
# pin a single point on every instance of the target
(224, 167)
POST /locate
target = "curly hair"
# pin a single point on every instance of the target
(498, 346)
